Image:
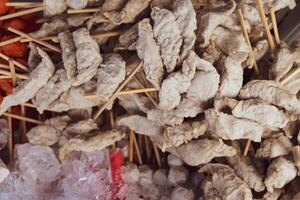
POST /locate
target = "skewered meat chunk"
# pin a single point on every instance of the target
(210, 193)
(148, 51)
(293, 83)
(232, 75)
(182, 193)
(276, 4)
(296, 156)
(177, 83)
(128, 14)
(77, 4)
(227, 183)
(167, 36)
(211, 20)
(68, 53)
(44, 135)
(229, 127)
(273, 93)
(52, 8)
(110, 74)
(244, 168)
(28, 88)
(75, 98)
(178, 135)
(57, 85)
(87, 56)
(135, 104)
(4, 172)
(51, 28)
(260, 112)
(59, 122)
(280, 172)
(164, 117)
(77, 20)
(202, 151)
(95, 143)
(273, 196)
(284, 60)
(128, 39)
(4, 133)
(185, 16)
(81, 128)
(141, 125)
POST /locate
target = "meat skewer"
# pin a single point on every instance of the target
(274, 24)
(18, 64)
(34, 121)
(85, 10)
(24, 4)
(21, 13)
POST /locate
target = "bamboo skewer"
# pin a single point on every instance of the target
(12, 72)
(247, 146)
(3, 66)
(85, 10)
(242, 21)
(130, 149)
(137, 149)
(52, 38)
(274, 23)
(16, 63)
(147, 93)
(50, 46)
(157, 156)
(112, 124)
(20, 76)
(34, 121)
(21, 13)
(265, 23)
(10, 41)
(10, 139)
(23, 124)
(290, 76)
(24, 4)
(115, 95)
(5, 77)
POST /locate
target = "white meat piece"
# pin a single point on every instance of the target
(244, 168)
(77, 20)
(177, 83)
(135, 103)
(44, 135)
(212, 54)
(260, 49)
(59, 122)
(178, 175)
(57, 85)
(160, 177)
(227, 183)
(128, 13)
(229, 127)
(4, 172)
(202, 151)
(141, 125)
(52, 8)
(167, 36)
(189, 107)
(4, 133)
(75, 98)
(95, 143)
(210, 193)
(110, 74)
(87, 56)
(127, 40)
(178, 135)
(273, 196)
(77, 4)
(276, 4)
(81, 128)
(272, 92)
(280, 172)
(51, 28)
(296, 157)
(149, 52)
(260, 112)
(211, 20)
(174, 161)
(68, 53)
(284, 60)
(28, 88)
(185, 16)
(296, 196)
(232, 75)
(180, 193)
(164, 117)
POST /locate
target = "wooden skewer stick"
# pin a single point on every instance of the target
(85, 10)
(20, 65)
(24, 4)
(112, 124)
(137, 149)
(247, 146)
(130, 149)
(3, 66)
(5, 77)
(125, 92)
(21, 13)
(10, 41)
(147, 93)
(157, 156)
(50, 46)
(34, 121)
(12, 72)
(265, 23)
(52, 38)
(115, 95)
(10, 139)
(20, 76)
(242, 21)
(290, 76)
(23, 124)
(274, 23)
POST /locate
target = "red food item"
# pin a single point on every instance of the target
(14, 50)
(116, 162)
(3, 7)
(6, 87)
(16, 23)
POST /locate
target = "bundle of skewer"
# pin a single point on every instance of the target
(15, 70)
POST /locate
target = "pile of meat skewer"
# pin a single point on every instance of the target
(203, 81)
